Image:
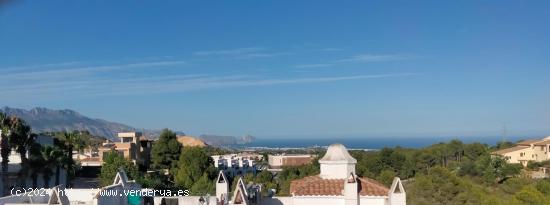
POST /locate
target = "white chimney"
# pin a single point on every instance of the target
(337, 163)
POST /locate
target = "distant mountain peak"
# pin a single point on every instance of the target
(43, 119)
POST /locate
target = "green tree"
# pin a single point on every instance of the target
(474, 150)
(530, 195)
(514, 185)
(21, 137)
(16, 134)
(456, 147)
(543, 186)
(112, 162)
(52, 157)
(386, 177)
(264, 177)
(155, 180)
(192, 165)
(202, 186)
(440, 186)
(249, 177)
(36, 165)
(498, 170)
(5, 149)
(166, 151)
(69, 141)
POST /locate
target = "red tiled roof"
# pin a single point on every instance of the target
(508, 150)
(371, 187)
(317, 186)
(528, 142)
(545, 142)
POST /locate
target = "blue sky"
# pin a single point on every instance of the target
(285, 68)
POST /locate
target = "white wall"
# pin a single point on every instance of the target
(108, 200)
(24, 199)
(373, 201)
(336, 171)
(80, 195)
(319, 200)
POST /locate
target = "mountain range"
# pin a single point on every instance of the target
(49, 120)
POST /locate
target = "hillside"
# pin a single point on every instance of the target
(48, 120)
(218, 140)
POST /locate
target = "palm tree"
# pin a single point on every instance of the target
(62, 161)
(21, 137)
(82, 142)
(35, 165)
(70, 141)
(4, 150)
(52, 156)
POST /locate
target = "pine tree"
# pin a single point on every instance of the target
(165, 151)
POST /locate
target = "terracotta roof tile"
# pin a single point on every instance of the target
(317, 186)
(528, 142)
(370, 187)
(508, 150)
(545, 142)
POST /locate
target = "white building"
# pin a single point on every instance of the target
(536, 150)
(235, 164)
(288, 160)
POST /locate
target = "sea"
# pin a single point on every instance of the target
(370, 142)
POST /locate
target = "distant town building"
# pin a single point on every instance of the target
(537, 150)
(132, 145)
(289, 160)
(236, 164)
(190, 141)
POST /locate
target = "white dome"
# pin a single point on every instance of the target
(337, 153)
(546, 138)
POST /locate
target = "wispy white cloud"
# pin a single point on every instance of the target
(365, 58)
(160, 84)
(361, 58)
(69, 72)
(331, 49)
(241, 53)
(40, 66)
(237, 51)
(318, 65)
